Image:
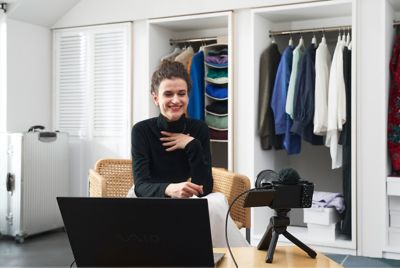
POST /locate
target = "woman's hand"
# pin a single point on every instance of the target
(174, 141)
(183, 190)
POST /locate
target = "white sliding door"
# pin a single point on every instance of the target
(92, 95)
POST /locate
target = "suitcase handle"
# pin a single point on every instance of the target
(36, 127)
(10, 182)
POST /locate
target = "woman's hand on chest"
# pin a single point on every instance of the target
(174, 141)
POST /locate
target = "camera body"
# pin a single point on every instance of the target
(280, 191)
(291, 195)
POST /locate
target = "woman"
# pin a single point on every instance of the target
(171, 153)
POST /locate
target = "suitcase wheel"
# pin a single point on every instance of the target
(19, 239)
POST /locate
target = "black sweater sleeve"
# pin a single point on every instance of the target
(199, 156)
(145, 185)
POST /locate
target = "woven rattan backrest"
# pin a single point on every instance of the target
(118, 175)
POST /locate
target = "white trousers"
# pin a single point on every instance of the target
(217, 209)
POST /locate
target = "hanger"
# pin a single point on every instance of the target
(301, 42)
(338, 38)
(290, 40)
(201, 48)
(348, 37)
(314, 39)
(273, 41)
(349, 45)
(323, 39)
(343, 37)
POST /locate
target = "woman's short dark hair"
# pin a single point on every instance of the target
(169, 70)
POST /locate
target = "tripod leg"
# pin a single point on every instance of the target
(272, 246)
(300, 244)
(265, 240)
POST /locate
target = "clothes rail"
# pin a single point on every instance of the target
(396, 23)
(310, 30)
(191, 40)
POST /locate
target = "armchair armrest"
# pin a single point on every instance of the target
(97, 184)
(110, 178)
(231, 185)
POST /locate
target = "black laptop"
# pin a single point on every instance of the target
(144, 232)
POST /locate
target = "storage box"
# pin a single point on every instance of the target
(323, 216)
(322, 232)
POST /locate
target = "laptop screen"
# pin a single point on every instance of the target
(138, 231)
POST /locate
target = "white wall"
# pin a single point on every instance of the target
(89, 12)
(28, 76)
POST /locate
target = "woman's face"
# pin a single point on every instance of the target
(172, 98)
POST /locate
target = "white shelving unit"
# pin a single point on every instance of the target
(293, 17)
(218, 146)
(161, 31)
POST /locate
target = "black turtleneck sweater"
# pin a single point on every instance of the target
(154, 168)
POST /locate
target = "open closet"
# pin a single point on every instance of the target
(173, 37)
(281, 25)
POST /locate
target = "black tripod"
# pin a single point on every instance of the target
(278, 225)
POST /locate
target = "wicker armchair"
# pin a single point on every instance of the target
(113, 178)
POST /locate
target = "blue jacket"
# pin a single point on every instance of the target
(303, 110)
(196, 96)
(291, 141)
(279, 93)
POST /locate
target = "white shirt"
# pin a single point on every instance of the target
(322, 69)
(336, 105)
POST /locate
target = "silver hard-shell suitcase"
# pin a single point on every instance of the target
(37, 171)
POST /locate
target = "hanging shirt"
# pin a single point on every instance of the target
(345, 140)
(336, 106)
(269, 62)
(171, 56)
(279, 93)
(394, 109)
(296, 64)
(291, 143)
(186, 58)
(303, 114)
(196, 97)
(322, 68)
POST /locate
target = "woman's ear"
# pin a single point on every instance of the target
(155, 98)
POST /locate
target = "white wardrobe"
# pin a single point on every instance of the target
(314, 162)
(157, 43)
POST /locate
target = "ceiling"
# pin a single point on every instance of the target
(40, 12)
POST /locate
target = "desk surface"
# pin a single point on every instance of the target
(284, 256)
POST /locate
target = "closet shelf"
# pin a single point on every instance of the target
(393, 186)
